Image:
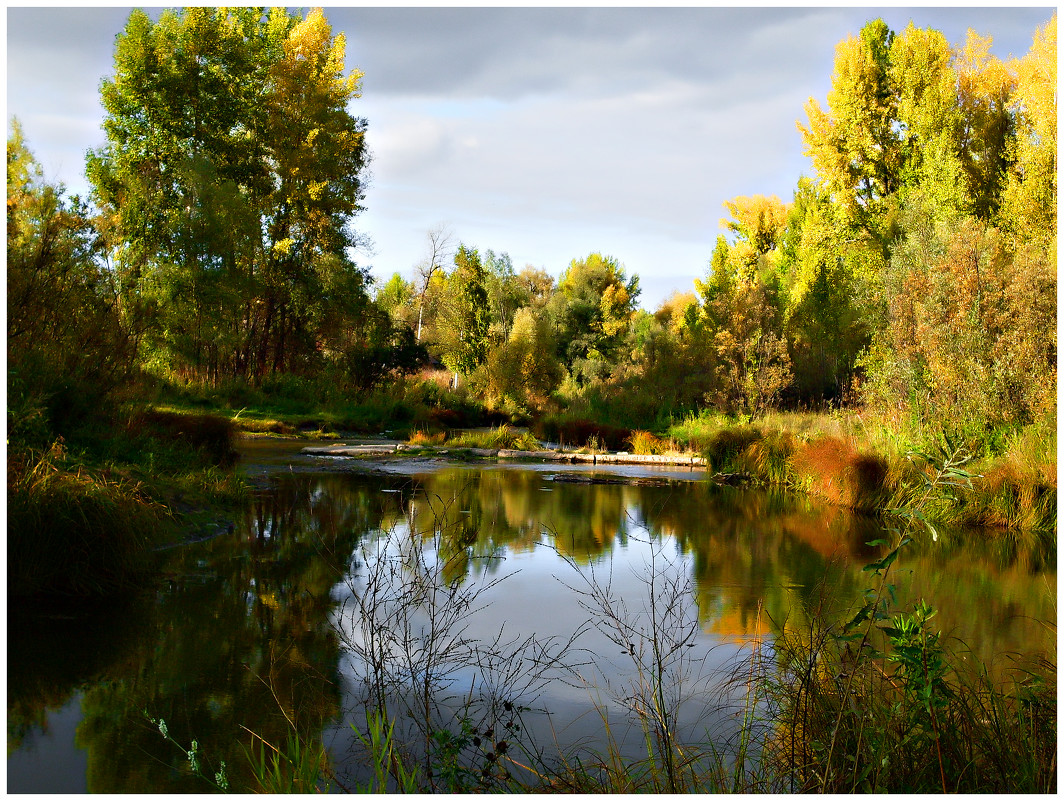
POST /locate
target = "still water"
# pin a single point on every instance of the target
(540, 580)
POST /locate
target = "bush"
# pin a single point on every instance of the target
(211, 435)
(579, 433)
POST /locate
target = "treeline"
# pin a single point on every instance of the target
(913, 272)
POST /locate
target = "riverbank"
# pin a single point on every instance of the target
(861, 461)
(945, 485)
(87, 515)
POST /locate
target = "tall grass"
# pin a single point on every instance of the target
(76, 531)
(875, 701)
(84, 516)
(500, 437)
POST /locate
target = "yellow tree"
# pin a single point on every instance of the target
(1030, 196)
(928, 120)
(854, 144)
(984, 86)
(759, 222)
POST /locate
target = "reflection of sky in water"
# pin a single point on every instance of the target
(538, 592)
(49, 761)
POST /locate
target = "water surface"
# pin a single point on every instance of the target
(256, 630)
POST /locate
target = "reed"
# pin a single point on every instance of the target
(420, 438)
(76, 531)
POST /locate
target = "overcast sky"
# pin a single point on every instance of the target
(546, 133)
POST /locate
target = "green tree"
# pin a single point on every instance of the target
(469, 317)
(742, 311)
(68, 352)
(230, 176)
(985, 86)
(591, 309)
(822, 300)
(522, 372)
(397, 297)
(506, 293)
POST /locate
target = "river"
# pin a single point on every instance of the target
(546, 584)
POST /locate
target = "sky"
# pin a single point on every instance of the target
(547, 133)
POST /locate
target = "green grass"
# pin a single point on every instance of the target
(496, 438)
(293, 406)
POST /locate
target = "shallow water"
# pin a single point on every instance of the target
(257, 630)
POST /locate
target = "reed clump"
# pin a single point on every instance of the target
(1010, 497)
(833, 469)
(76, 531)
(420, 438)
(644, 443)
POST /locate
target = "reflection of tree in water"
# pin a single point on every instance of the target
(238, 633)
(761, 561)
(484, 512)
(765, 562)
(238, 636)
(55, 651)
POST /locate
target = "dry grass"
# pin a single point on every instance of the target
(426, 439)
(833, 469)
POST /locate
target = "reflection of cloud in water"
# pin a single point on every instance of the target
(544, 594)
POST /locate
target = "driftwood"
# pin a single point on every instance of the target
(679, 460)
(583, 478)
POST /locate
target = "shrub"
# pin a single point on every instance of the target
(211, 435)
(644, 443)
